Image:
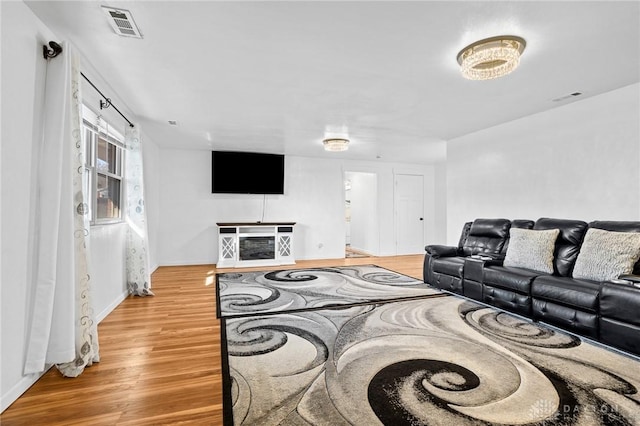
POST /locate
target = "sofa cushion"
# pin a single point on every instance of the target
(486, 236)
(515, 279)
(606, 255)
(531, 249)
(567, 244)
(517, 223)
(449, 265)
(619, 226)
(579, 294)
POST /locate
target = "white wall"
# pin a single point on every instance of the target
(152, 189)
(314, 198)
(578, 161)
(23, 71)
(22, 85)
(439, 188)
(108, 273)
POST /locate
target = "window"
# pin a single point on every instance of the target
(103, 163)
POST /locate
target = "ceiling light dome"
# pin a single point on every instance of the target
(491, 58)
(336, 144)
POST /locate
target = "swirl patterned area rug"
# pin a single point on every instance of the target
(251, 293)
(440, 360)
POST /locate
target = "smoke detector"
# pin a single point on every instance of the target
(122, 22)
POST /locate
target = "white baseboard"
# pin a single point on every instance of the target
(21, 387)
(106, 311)
(27, 381)
(186, 263)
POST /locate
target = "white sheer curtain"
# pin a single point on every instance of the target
(63, 328)
(138, 273)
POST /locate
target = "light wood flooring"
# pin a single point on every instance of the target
(160, 357)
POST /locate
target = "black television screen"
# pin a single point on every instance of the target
(247, 173)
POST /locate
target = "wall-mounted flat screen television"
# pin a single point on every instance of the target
(236, 172)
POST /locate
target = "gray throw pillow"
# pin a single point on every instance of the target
(605, 255)
(531, 249)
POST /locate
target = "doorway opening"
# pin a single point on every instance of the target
(361, 214)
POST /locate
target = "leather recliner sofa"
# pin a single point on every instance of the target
(444, 265)
(606, 311)
(509, 287)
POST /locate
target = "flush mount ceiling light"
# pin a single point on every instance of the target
(336, 144)
(491, 58)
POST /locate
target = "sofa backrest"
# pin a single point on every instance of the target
(486, 236)
(568, 242)
(517, 223)
(465, 233)
(619, 226)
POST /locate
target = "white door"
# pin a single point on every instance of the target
(409, 212)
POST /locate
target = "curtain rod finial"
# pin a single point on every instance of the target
(56, 49)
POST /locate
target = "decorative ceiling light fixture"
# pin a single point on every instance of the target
(491, 58)
(336, 144)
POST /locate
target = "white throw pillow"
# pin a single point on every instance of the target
(531, 249)
(605, 255)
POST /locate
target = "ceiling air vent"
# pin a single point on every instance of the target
(122, 22)
(565, 97)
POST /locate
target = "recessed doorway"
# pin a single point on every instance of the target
(361, 214)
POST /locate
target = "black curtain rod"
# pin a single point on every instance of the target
(54, 50)
(107, 102)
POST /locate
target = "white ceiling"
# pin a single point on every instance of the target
(279, 76)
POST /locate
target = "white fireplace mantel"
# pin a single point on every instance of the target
(245, 244)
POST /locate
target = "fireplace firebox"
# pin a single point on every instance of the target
(253, 248)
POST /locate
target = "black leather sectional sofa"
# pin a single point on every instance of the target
(604, 310)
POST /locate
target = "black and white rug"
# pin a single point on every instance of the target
(439, 360)
(250, 293)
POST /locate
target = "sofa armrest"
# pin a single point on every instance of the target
(494, 262)
(635, 279)
(474, 266)
(492, 259)
(441, 251)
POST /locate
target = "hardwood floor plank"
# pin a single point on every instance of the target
(160, 356)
